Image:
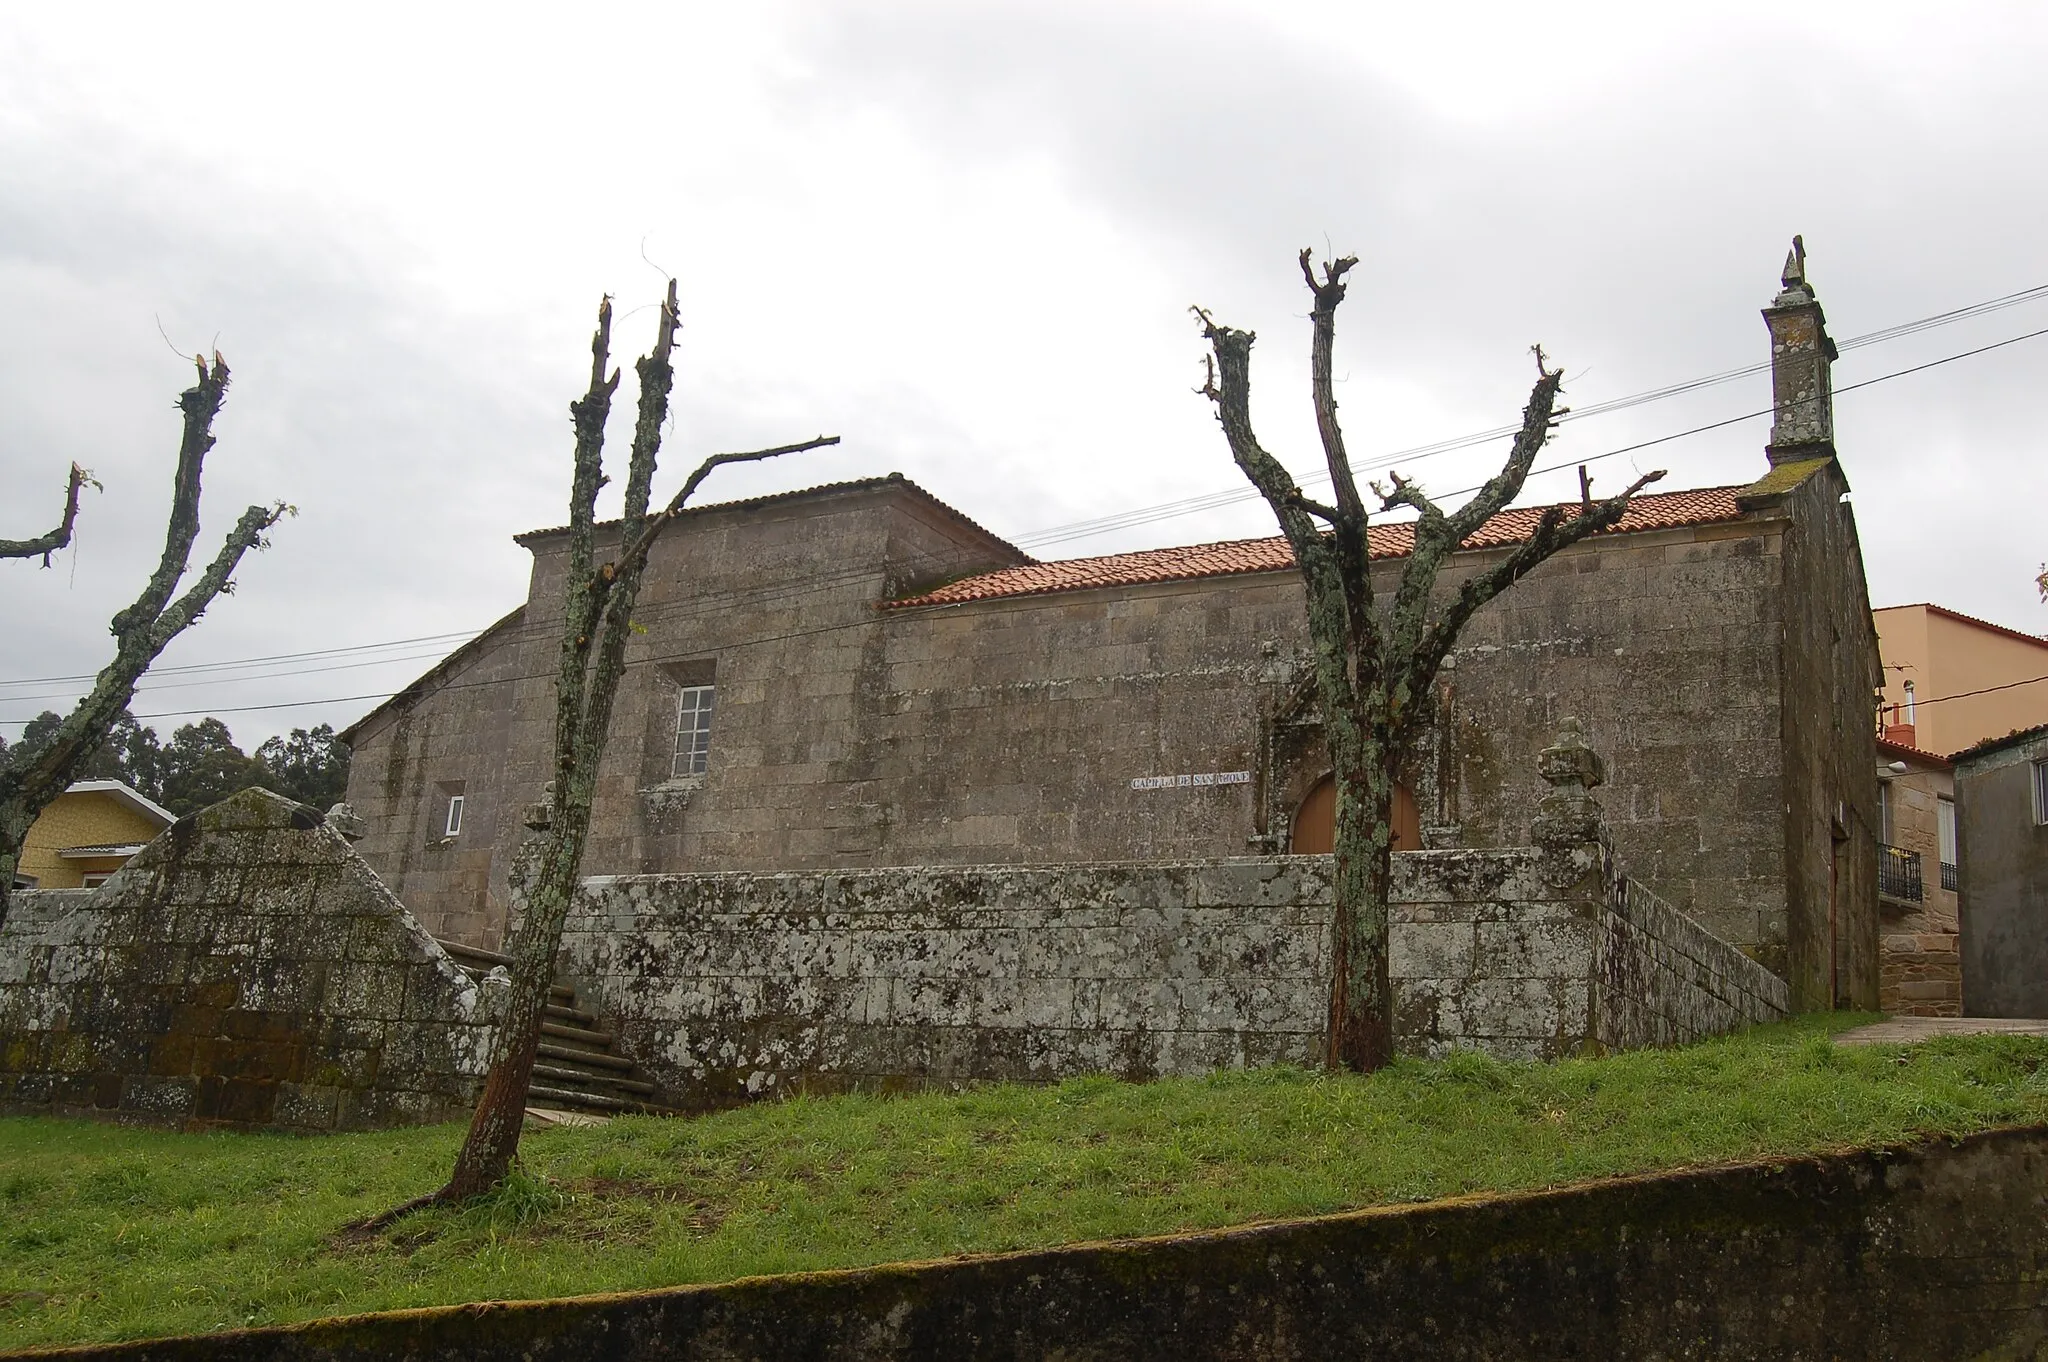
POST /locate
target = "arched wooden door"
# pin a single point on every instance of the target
(1315, 822)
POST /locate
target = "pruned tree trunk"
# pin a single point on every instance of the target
(141, 631)
(1375, 661)
(47, 544)
(596, 625)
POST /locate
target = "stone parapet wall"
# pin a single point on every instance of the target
(246, 969)
(1662, 979)
(730, 986)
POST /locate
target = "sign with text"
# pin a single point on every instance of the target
(1190, 781)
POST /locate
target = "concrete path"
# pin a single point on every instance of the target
(1906, 1030)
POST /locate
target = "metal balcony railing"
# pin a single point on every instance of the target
(1948, 875)
(1898, 874)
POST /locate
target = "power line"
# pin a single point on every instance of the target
(810, 584)
(1213, 500)
(1084, 529)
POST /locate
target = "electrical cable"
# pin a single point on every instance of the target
(811, 584)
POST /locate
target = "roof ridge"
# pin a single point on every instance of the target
(1270, 553)
(881, 480)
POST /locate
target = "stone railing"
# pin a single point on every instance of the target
(245, 969)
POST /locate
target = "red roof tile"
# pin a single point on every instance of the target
(1667, 510)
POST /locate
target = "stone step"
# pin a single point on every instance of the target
(578, 1100)
(570, 1015)
(480, 962)
(475, 955)
(601, 1078)
(601, 1039)
(589, 1058)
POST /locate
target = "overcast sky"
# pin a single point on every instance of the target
(964, 238)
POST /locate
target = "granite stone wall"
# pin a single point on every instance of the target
(1662, 979)
(733, 986)
(246, 969)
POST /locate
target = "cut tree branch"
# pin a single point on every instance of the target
(47, 544)
(1553, 533)
(143, 629)
(1329, 292)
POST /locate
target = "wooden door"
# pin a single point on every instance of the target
(1315, 822)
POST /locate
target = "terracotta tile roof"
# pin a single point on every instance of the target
(1667, 510)
(2019, 634)
(1900, 749)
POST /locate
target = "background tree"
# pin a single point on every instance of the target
(309, 765)
(130, 753)
(202, 765)
(1375, 660)
(141, 631)
(597, 619)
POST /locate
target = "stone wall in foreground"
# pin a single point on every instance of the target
(1929, 1253)
(246, 969)
(730, 986)
(1662, 979)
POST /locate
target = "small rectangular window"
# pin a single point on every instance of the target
(2041, 792)
(1945, 811)
(454, 816)
(693, 730)
(1884, 812)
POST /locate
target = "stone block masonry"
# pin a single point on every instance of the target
(245, 970)
(727, 987)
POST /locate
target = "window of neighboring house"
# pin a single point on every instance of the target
(2041, 792)
(454, 816)
(95, 880)
(1884, 812)
(1945, 825)
(693, 730)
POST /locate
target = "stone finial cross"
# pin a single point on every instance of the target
(1569, 815)
(345, 820)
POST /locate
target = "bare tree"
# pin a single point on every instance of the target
(595, 628)
(142, 630)
(47, 544)
(1375, 661)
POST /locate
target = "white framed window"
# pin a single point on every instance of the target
(454, 825)
(693, 730)
(1945, 815)
(2040, 792)
(95, 879)
(1884, 812)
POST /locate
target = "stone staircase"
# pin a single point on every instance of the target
(579, 1067)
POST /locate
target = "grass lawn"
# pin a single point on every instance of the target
(110, 1233)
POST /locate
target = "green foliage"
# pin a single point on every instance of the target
(202, 763)
(309, 765)
(108, 1232)
(130, 754)
(202, 766)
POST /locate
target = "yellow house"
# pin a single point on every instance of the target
(86, 834)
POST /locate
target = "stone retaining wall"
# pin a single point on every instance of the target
(731, 986)
(246, 969)
(1662, 979)
(1931, 1253)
